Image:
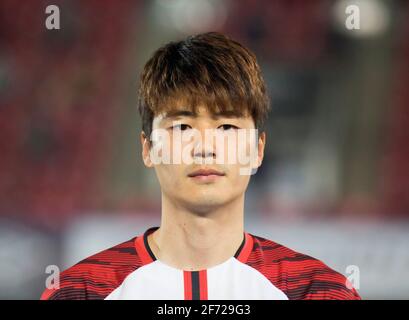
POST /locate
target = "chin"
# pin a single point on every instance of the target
(204, 204)
(208, 196)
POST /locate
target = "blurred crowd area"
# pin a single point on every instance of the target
(69, 129)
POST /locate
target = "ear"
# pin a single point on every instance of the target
(261, 146)
(146, 146)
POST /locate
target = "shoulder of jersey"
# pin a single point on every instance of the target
(98, 275)
(299, 276)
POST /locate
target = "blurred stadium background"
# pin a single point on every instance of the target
(335, 180)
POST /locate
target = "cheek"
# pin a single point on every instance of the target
(174, 149)
(169, 176)
(237, 180)
(238, 150)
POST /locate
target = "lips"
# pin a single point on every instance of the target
(205, 172)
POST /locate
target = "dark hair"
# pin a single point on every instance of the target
(208, 69)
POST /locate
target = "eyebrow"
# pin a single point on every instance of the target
(186, 113)
(179, 113)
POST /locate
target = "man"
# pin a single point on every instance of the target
(203, 103)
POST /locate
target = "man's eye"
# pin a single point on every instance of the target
(180, 126)
(228, 127)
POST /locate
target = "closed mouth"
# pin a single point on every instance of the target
(205, 172)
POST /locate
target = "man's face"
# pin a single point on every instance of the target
(202, 160)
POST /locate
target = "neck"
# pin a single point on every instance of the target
(191, 241)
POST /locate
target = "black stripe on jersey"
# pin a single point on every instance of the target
(241, 246)
(145, 241)
(195, 285)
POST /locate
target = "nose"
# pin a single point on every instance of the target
(204, 147)
(204, 154)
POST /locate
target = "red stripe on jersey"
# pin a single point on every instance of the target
(203, 284)
(187, 279)
(47, 294)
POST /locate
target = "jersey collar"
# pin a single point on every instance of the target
(147, 256)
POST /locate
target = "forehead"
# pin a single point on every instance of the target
(200, 112)
(177, 106)
(184, 108)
